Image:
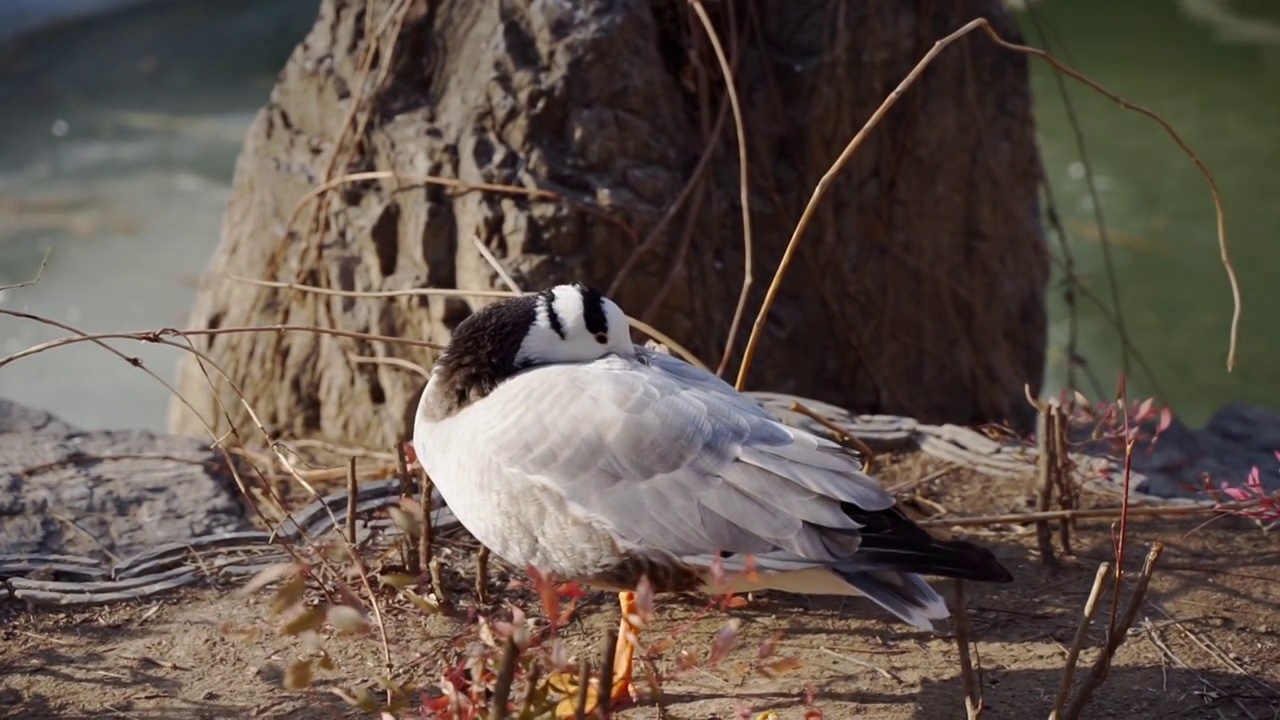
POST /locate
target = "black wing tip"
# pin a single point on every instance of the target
(954, 559)
(980, 562)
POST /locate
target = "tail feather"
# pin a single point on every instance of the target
(904, 594)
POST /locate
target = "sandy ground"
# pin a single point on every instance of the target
(1206, 643)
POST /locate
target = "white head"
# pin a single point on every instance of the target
(573, 323)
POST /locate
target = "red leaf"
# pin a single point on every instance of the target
(644, 598)
(717, 569)
(782, 665)
(685, 660)
(546, 594)
(768, 647)
(1144, 410)
(723, 641)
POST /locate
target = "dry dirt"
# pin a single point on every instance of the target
(1206, 643)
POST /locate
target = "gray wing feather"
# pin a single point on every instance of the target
(676, 462)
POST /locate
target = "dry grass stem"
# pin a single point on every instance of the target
(1082, 635)
(969, 678)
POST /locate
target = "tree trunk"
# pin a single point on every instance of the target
(917, 290)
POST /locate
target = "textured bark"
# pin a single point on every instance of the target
(918, 290)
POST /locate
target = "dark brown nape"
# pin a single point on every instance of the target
(483, 350)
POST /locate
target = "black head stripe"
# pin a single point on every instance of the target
(549, 302)
(593, 310)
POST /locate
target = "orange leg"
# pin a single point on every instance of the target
(621, 687)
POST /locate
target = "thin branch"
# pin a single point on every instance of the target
(35, 279)
(392, 361)
(410, 292)
(1078, 514)
(157, 336)
(1082, 634)
(1116, 636)
(490, 258)
(972, 689)
(640, 325)
(353, 495)
(537, 194)
(824, 183)
(744, 189)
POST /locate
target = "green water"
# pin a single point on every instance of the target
(132, 213)
(1217, 82)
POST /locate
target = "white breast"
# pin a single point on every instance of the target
(521, 520)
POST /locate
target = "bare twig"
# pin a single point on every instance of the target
(530, 691)
(157, 336)
(744, 186)
(606, 672)
(917, 482)
(538, 194)
(867, 454)
(972, 689)
(393, 362)
(490, 258)
(424, 541)
(1130, 440)
(584, 686)
(1068, 497)
(636, 323)
(437, 581)
(1046, 466)
(506, 675)
(408, 292)
(1115, 636)
(34, 279)
(482, 574)
(412, 558)
(825, 181)
(1085, 513)
(353, 493)
(1082, 634)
